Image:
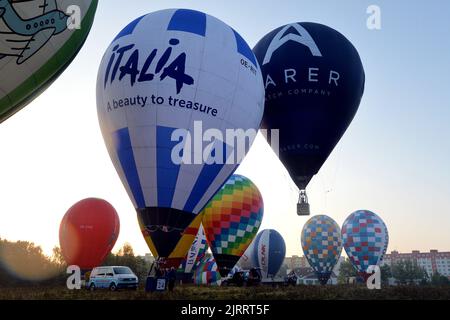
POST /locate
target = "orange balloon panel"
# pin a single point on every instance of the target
(88, 233)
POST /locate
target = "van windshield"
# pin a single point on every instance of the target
(122, 270)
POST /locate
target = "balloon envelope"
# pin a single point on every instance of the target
(322, 245)
(232, 219)
(269, 250)
(365, 238)
(167, 78)
(196, 253)
(314, 82)
(36, 45)
(207, 273)
(88, 233)
(247, 260)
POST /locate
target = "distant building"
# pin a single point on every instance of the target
(433, 261)
(296, 262)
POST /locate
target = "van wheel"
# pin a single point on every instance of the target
(113, 287)
(92, 287)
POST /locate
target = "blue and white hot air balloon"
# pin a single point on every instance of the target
(269, 251)
(169, 87)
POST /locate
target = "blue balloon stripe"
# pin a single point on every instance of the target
(244, 49)
(204, 180)
(167, 171)
(206, 177)
(188, 21)
(125, 154)
(129, 29)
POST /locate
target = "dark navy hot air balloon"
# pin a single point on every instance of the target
(314, 83)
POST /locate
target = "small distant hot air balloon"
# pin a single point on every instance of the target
(231, 220)
(165, 77)
(207, 273)
(38, 40)
(269, 250)
(366, 239)
(322, 245)
(314, 83)
(88, 233)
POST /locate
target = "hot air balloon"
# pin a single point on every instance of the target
(269, 251)
(207, 273)
(322, 245)
(231, 220)
(38, 40)
(196, 253)
(247, 260)
(314, 82)
(169, 81)
(365, 237)
(88, 233)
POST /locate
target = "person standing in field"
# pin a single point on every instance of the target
(172, 276)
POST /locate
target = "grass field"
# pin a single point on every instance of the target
(234, 293)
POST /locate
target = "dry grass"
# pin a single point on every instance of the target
(233, 293)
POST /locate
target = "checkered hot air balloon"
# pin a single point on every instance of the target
(231, 220)
(207, 273)
(322, 245)
(365, 238)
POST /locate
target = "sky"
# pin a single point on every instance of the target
(393, 160)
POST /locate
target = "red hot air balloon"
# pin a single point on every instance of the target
(88, 232)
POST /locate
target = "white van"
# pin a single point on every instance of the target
(112, 278)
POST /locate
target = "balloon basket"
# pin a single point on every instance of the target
(303, 205)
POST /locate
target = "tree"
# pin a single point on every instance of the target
(58, 257)
(408, 272)
(439, 280)
(385, 273)
(25, 263)
(346, 271)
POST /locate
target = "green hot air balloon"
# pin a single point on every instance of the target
(38, 41)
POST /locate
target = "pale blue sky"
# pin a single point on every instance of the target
(394, 159)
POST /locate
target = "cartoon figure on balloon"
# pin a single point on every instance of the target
(38, 41)
(27, 36)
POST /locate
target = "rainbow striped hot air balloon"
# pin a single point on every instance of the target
(322, 245)
(365, 238)
(207, 273)
(232, 219)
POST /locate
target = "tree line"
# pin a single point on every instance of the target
(23, 263)
(403, 272)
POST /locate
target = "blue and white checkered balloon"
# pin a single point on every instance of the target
(322, 245)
